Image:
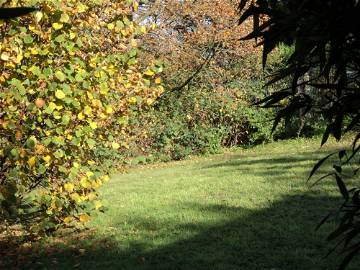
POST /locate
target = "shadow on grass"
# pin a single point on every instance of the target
(279, 237)
(238, 161)
(280, 168)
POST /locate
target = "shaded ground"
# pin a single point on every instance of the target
(245, 210)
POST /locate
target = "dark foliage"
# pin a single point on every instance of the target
(325, 73)
(9, 13)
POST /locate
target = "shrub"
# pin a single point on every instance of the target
(199, 121)
(69, 79)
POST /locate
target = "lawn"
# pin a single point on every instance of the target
(244, 209)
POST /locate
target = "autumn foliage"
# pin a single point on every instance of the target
(69, 81)
(210, 76)
(204, 33)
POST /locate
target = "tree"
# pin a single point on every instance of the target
(64, 101)
(207, 72)
(326, 57)
(198, 40)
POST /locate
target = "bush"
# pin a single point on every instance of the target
(69, 79)
(199, 121)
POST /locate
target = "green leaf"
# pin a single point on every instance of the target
(28, 39)
(60, 39)
(14, 152)
(30, 143)
(60, 76)
(41, 169)
(35, 70)
(59, 153)
(65, 119)
(79, 78)
(91, 142)
(49, 123)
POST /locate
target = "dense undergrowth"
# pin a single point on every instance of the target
(202, 119)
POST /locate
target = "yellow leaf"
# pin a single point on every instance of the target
(39, 148)
(81, 8)
(72, 35)
(52, 106)
(103, 91)
(10, 65)
(149, 101)
(64, 18)
(115, 145)
(84, 218)
(76, 197)
(47, 158)
(109, 110)
(32, 28)
(68, 220)
(84, 182)
(81, 116)
(110, 26)
(31, 162)
(136, 5)
(19, 58)
(87, 110)
(143, 29)
(149, 72)
(34, 51)
(91, 162)
(124, 32)
(158, 80)
(98, 204)
(133, 43)
(89, 174)
(93, 125)
(90, 95)
(97, 183)
(59, 94)
(38, 16)
(132, 100)
(5, 56)
(57, 26)
(69, 187)
(105, 178)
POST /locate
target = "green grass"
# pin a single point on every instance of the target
(246, 209)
